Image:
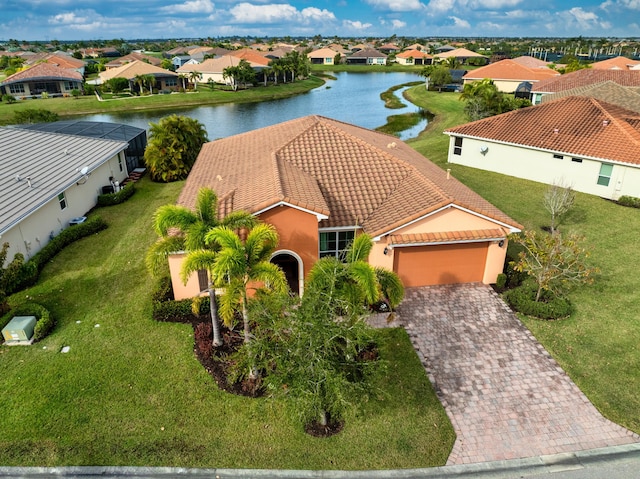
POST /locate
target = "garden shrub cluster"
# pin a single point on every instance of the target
(110, 199)
(166, 309)
(550, 306)
(631, 201)
(30, 270)
(45, 322)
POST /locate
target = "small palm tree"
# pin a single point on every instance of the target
(189, 229)
(150, 80)
(194, 76)
(139, 80)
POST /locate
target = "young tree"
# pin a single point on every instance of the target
(556, 262)
(558, 200)
(174, 144)
(181, 229)
(117, 84)
(436, 75)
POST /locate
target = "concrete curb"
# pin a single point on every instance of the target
(497, 469)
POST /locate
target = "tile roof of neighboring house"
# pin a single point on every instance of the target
(131, 70)
(60, 60)
(458, 53)
(579, 126)
(608, 91)
(616, 63)
(322, 53)
(389, 46)
(587, 76)
(203, 50)
(531, 62)
(133, 56)
(339, 48)
(413, 54)
(51, 163)
(215, 65)
(417, 46)
(43, 71)
(510, 70)
(368, 53)
(251, 56)
(349, 174)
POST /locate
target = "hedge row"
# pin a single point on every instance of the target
(550, 306)
(110, 199)
(629, 201)
(31, 269)
(165, 308)
(44, 324)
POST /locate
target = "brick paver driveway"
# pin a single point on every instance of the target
(505, 395)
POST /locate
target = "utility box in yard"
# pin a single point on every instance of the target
(19, 330)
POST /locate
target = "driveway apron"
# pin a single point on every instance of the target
(507, 398)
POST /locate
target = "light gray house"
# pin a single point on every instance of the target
(582, 142)
(48, 181)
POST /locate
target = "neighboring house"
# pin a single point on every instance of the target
(389, 48)
(507, 75)
(42, 78)
(462, 55)
(165, 79)
(252, 56)
(58, 59)
(48, 180)
(413, 57)
(367, 56)
(213, 69)
(417, 46)
(608, 91)
(583, 78)
(320, 182)
(616, 63)
(179, 60)
(131, 57)
(323, 56)
(588, 144)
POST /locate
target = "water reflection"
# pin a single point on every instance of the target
(352, 98)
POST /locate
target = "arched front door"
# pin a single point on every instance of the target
(291, 266)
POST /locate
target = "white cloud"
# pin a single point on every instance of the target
(355, 25)
(630, 4)
(74, 18)
(580, 18)
(396, 5)
(398, 24)
(277, 13)
(441, 5)
(190, 6)
(460, 23)
(493, 4)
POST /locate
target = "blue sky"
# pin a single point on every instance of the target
(129, 19)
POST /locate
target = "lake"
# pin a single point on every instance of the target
(352, 98)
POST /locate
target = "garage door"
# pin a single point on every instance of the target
(440, 264)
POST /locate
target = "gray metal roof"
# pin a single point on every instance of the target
(96, 129)
(36, 167)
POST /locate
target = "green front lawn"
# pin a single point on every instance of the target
(599, 346)
(131, 391)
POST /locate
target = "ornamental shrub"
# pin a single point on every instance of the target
(180, 311)
(550, 306)
(631, 201)
(110, 199)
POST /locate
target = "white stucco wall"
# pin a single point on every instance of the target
(33, 232)
(541, 166)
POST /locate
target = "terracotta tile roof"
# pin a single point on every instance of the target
(587, 76)
(447, 237)
(617, 63)
(251, 56)
(60, 60)
(577, 126)
(368, 53)
(43, 71)
(214, 65)
(608, 91)
(413, 54)
(133, 56)
(531, 62)
(322, 53)
(352, 175)
(510, 70)
(458, 53)
(136, 67)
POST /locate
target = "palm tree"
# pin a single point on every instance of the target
(183, 78)
(194, 76)
(139, 80)
(150, 80)
(181, 229)
(354, 283)
(243, 262)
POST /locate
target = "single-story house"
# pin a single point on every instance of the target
(616, 63)
(367, 56)
(413, 57)
(252, 56)
(582, 142)
(50, 180)
(462, 55)
(507, 75)
(212, 69)
(320, 182)
(582, 78)
(165, 79)
(608, 91)
(42, 78)
(131, 57)
(389, 48)
(58, 59)
(323, 56)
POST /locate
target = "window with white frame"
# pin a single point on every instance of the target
(334, 243)
(457, 145)
(604, 177)
(62, 199)
(16, 88)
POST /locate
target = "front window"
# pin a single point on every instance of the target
(16, 88)
(457, 146)
(171, 82)
(605, 174)
(334, 243)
